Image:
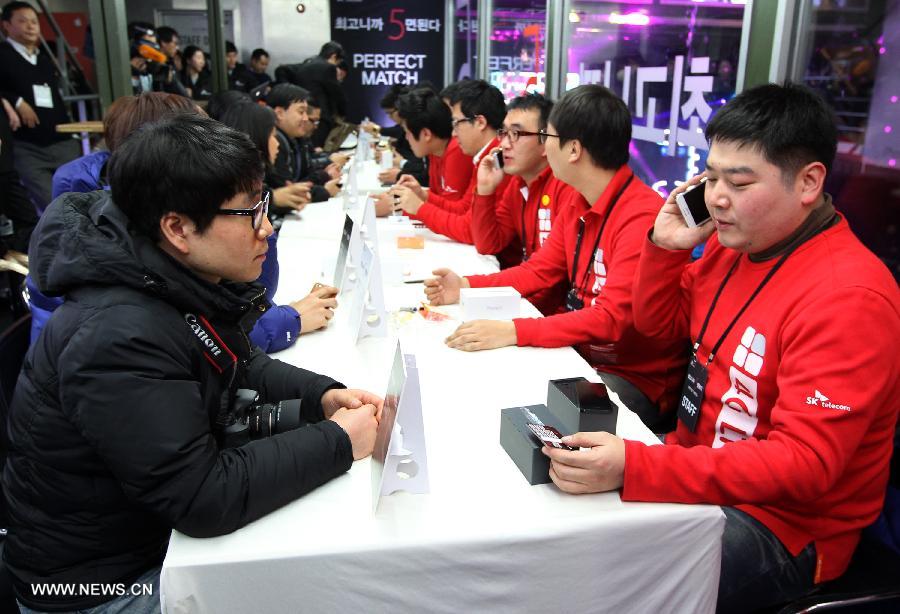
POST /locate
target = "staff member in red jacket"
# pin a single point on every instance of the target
(429, 131)
(518, 218)
(789, 417)
(594, 250)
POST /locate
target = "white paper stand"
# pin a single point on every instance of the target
(351, 189)
(399, 461)
(367, 315)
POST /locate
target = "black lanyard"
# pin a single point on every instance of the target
(524, 235)
(715, 300)
(590, 263)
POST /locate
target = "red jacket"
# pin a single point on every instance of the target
(453, 218)
(797, 422)
(506, 219)
(450, 173)
(603, 329)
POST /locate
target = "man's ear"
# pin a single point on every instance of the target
(480, 122)
(174, 229)
(810, 182)
(279, 114)
(426, 135)
(574, 150)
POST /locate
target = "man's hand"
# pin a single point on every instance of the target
(389, 176)
(599, 469)
(406, 199)
(316, 309)
(384, 204)
(14, 122)
(408, 181)
(333, 170)
(670, 231)
(334, 186)
(489, 175)
(444, 289)
(482, 335)
(339, 159)
(293, 195)
(27, 114)
(360, 425)
(350, 398)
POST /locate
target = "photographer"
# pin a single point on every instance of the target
(151, 69)
(118, 419)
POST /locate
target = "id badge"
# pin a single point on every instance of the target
(692, 394)
(43, 97)
(573, 303)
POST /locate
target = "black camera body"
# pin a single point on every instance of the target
(250, 420)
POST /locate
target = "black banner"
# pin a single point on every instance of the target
(387, 42)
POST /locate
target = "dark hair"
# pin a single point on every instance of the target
(188, 164)
(256, 121)
(532, 102)
(389, 100)
(189, 52)
(128, 113)
(258, 53)
(285, 94)
(449, 92)
(220, 102)
(230, 47)
(343, 66)
(423, 108)
(313, 102)
(599, 120)
(11, 7)
(139, 29)
(331, 48)
(790, 125)
(478, 97)
(165, 34)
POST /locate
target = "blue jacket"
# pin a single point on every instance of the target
(81, 174)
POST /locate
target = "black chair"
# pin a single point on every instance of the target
(14, 343)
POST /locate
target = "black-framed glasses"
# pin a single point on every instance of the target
(543, 134)
(456, 122)
(257, 214)
(515, 133)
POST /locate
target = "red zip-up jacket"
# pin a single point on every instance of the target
(505, 220)
(450, 173)
(454, 218)
(801, 401)
(603, 331)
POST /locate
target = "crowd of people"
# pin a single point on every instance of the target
(766, 364)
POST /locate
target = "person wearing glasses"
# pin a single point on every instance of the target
(593, 251)
(519, 217)
(477, 110)
(120, 427)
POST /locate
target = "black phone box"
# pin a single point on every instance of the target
(581, 406)
(522, 445)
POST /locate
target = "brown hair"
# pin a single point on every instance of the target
(128, 113)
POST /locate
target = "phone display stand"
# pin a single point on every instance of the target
(399, 460)
(367, 315)
(351, 191)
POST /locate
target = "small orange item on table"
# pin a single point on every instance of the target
(411, 242)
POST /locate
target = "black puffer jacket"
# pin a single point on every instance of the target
(111, 428)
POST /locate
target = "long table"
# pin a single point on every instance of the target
(482, 540)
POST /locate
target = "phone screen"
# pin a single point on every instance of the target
(693, 205)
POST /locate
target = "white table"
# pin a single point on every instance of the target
(483, 540)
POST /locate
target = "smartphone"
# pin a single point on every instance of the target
(549, 435)
(693, 205)
(498, 159)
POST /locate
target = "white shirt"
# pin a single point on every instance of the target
(23, 51)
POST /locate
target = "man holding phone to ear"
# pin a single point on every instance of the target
(789, 406)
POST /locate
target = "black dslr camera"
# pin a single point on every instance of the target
(250, 420)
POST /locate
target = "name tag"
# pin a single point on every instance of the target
(692, 394)
(43, 97)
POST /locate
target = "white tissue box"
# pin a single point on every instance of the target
(489, 303)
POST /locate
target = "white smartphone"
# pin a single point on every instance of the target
(692, 204)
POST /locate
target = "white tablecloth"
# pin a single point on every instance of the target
(482, 540)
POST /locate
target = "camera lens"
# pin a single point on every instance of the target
(268, 419)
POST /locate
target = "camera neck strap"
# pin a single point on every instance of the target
(214, 348)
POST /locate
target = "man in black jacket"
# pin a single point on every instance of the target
(119, 416)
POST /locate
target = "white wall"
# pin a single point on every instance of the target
(291, 37)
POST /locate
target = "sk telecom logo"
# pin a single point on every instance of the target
(820, 400)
